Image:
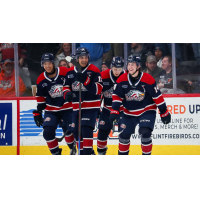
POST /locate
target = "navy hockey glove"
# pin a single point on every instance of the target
(68, 97)
(38, 117)
(165, 117)
(82, 78)
(114, 116)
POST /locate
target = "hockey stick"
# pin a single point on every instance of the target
(75, 63)
(61, 139)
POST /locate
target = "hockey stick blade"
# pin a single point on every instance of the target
(74, 62)
(61, 139)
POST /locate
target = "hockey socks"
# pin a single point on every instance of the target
(69, 138)
(124, 145)
(146, 141)
(102, 141)
(87, 134)
(49, 136)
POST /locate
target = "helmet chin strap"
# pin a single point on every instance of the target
(52, 72)
(135, 71)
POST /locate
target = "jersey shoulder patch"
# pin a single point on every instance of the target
(63, 71)
(40, 78)
(147, 78)
(105, 74)
(122, 78)
(93, 68)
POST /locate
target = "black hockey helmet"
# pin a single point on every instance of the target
(47, 57)
(132, 59)
(82, 51)
(117, 62)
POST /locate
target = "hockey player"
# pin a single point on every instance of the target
(109, 78)
(50, 87)
(140, 96)
(91, 88)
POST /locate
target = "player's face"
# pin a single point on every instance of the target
(8, 68)
(151, 66)
(104, 67)
(166, 64)
(66, 47)
(48, 66)
(132, 68)
(158, 54)
(116, 71)
(83, 61)
(63, 64)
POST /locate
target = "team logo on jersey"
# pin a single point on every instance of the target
(89, 73)
(75, 86)
(44, 84)
(56, 91)
(102, 123)
(5, 84)
(123, 126)
(134, 95)
(47, 119)
(71, 76)
(108, 93)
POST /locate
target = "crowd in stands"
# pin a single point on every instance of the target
(156, 60)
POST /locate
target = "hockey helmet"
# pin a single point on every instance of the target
(117, 62)
(132, 59)
(82, 51)
(47, 57)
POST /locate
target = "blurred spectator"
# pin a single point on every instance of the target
(152, 67)
(63, 63)
(7, 80)
(159, 53)
(138, 49)
(167, 49)
(7, 52)
(196, 50)
(116, 49)
(105, 66)
(65, 50)
(97, 52)
(166, 82)
(34, 52)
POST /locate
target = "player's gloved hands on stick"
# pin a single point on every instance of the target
(82, 78)
(68, 97)
(165, 117)
(114, 116)
(38, 117)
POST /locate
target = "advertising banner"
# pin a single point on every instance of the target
(183, 129)
(8, 123)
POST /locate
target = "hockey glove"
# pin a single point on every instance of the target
(165, 117)
(68, 97)
(38, 117)
(114, 116)
(82, 78)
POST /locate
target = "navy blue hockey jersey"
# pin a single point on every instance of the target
(90, 90)
(108, 84)
(50, 91)
(139, 97)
